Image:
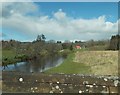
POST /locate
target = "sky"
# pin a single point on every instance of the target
(72, 21)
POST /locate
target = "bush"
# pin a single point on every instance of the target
(65, 52)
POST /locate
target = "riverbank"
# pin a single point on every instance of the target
(83, 62)
(89, 62)
(70, 67)
(10, 57)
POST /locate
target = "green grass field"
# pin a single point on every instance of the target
(8, 53)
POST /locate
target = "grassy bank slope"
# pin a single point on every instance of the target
(101, 62)
(70, 67)
(89, 62)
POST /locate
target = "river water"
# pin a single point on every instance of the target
(38, 65)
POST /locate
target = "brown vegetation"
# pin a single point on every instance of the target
(101, 62)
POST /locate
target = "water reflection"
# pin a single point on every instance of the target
(38, 65)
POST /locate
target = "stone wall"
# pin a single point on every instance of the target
(58, 83)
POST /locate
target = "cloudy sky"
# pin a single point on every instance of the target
(23, 21)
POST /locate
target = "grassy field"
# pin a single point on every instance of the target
(89, 62)
(100, 62)
(8, 53)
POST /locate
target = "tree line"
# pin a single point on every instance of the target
(40, 46)
(115, 42)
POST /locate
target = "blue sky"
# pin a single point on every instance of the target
(59, 21)
(82, 9)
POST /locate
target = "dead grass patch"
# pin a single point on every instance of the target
(101, 62)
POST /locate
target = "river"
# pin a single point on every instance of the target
(38, 65)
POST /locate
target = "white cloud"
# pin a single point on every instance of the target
(23, 8)
(60, 15)
(60, 26)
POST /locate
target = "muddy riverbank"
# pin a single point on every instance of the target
(18, 82)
